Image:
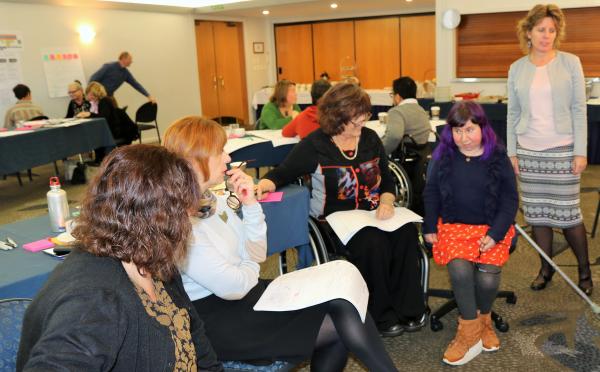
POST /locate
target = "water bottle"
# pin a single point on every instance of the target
(58, 207)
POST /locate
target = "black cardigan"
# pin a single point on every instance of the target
(338, 183)
(88, 317)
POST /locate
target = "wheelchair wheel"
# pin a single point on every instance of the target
(402, 184)
(317, 244)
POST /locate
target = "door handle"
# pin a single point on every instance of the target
(280, 70)
(222, 81)
(214, 81)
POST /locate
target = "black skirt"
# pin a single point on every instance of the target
(239, 333)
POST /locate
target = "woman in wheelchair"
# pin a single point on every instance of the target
(221, 273)
(349, 170)
(471, 201)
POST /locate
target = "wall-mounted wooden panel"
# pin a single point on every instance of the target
(332, 42)
(294, 53)
(377, 43)
(487, 44)
(417, 38)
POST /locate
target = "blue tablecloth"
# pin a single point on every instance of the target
(23, 273)
(45, 145)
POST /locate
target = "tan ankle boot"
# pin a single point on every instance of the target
(488, 336)
(467, 343)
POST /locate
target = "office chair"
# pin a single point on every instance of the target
(11, 320)
(144, 116)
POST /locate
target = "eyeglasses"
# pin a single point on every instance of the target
(73, 91)
(361, 122)
(233, 201)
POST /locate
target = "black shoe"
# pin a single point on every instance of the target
(585, 281)
(393, 331)
(541, 281)
(413, 324)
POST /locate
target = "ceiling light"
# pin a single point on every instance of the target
(179, 3)
(409, 1)
(265, 12)
(333, 5)
(86, 33)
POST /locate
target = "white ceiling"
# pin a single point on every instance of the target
(280, 9)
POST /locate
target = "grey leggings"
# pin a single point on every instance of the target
(474, 285)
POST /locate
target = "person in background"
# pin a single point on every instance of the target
(281, 108)
(23, 110)
(408, 118)
(547, 137)
(307, 121)
(324, 75)
(221, 273)
(471, 202)
(349, 170)
(101, 106)
(113, 74)
(117, 302)
(78, 101)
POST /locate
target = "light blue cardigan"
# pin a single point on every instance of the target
(568, 99)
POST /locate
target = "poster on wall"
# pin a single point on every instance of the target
(11, 40)
(10, 75)
(61, 67)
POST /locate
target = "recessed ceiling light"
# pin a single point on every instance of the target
(333, 5)
(265, 12)
(409, 1)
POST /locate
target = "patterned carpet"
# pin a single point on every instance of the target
(551, 330)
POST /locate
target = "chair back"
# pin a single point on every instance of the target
(226, 120)
(146, 113)
(11, 321)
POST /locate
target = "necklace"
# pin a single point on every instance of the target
(355, 152)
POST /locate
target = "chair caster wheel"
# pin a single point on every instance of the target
(501, 325)
(435, 325)
(511, 300)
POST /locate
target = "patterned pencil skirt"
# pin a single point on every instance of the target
(549, 189)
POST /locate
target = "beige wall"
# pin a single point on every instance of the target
(445, 39)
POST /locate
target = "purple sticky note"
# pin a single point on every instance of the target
(273, 197)
(38, 245)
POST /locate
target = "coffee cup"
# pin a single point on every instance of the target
(435, 112)
(383, 117)
(239, 132)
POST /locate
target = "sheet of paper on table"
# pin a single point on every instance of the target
(378, 127)
(315, 285)
(14, 133)
(275, 136)
(347, 223)
(234, 144)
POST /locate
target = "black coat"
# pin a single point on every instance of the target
(88, 317)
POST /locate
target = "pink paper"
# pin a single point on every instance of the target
(273, 197)
(23, 129)
(3, 129)
(38, 245)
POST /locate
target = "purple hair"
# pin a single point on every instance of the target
(460, 113)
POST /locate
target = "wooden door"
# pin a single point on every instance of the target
(205, 51)
(417, 38)
(377, 43)
(294, 53)
(332, 42)
(231, 68)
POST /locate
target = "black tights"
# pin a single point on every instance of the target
(343, 331)
(577, 239)
(474, 285)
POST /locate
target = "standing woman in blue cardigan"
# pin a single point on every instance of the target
(547, 136)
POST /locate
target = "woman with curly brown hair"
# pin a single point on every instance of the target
(349, 170)
(117, 302)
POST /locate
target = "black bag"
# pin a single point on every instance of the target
(78, 177)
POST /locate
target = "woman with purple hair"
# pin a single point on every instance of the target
(470, 203)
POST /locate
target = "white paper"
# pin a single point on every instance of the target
(10, 75)
(347, 223)
(234, 144)
(11, 40)
(14, 133)
(315, 285)
(378, 127)
(275, 136)
(62, 66)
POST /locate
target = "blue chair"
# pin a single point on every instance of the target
(11, 320)
(277, 366)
